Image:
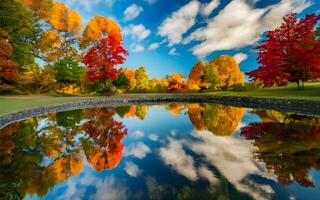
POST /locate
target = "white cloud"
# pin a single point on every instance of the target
(154, 46)
(132, 12)
(173, 52)
(174, 156)
(239, 25)
(207, 8)
(150, 1)
(138, 134)
(137, 48)
(179, 22)
(139, 150)
(131, 169)
(153, 137)
(239, 57)
(138, 32)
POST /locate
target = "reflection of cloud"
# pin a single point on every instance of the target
(131, 169)
(138, 134)
(109, 189)
(175, 156)
(173, 132)
(71, 191)
(153, 137)
(233, 158)
(139, 150)
(205, 173)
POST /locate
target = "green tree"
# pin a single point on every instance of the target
(22, 28)
(122, 81)
(69, 71)
(211, 75)
(142, 78)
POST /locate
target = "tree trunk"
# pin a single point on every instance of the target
(298, 83)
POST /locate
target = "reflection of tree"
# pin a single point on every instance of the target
(52, 139)
(104, 151)
(126, 111)
(289, 149)
(142, 111)
(175, 108)
(58, 171)
(218, 119)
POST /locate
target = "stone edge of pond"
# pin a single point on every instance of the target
(281, 104)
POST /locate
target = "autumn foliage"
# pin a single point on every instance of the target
(288, 149)
(8, 68)
(102, 58)
(219, 119)
(291, 53)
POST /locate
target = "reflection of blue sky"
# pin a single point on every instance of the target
(153, 156)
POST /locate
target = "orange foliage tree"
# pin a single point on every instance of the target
(8, 68)
(196, 74)
(177, 83)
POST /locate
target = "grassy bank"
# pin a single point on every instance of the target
(15, 103)
(311, 92)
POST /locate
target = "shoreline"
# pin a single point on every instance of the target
(311, 107)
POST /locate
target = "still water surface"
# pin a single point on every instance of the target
(177, 151)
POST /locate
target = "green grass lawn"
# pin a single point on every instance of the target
(15, 103)
(311, 92)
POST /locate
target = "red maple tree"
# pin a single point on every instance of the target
(291, 53)
(101, 59)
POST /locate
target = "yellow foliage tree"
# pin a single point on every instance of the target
(50, 43)
(56, 14)
(98, 27)
(228, 70)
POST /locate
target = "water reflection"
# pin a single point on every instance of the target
(177, 151)
(288, 144)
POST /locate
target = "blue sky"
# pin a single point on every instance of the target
(168, 36)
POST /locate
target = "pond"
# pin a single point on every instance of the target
(175, 151)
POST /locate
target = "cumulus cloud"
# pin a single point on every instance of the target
(173, 52)
(207, 8)
(131, 169)
(139, 150)
(132, 12)
(239, 25)
(137, 48)
(179, 22)
(239, 57)
(138, 32)
(154, 46)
